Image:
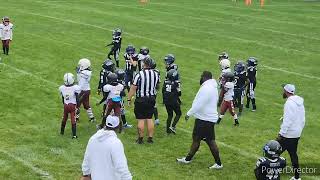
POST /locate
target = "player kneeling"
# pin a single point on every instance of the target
(171, 92)
(70, 99)
(270, 166)
(227, 94)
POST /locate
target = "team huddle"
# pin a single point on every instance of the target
(141, 77)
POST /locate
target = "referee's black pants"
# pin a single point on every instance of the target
(291, 145)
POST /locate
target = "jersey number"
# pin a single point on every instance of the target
(168, 88)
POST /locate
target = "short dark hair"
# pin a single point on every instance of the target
(147, 62)
(206, 75)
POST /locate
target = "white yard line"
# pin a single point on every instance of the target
(164, 42)
(192, 30)
(42, 173)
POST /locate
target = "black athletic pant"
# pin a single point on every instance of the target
(291, 145)
(170, 109)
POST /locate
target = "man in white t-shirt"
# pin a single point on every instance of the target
(84, 74)
(70, 98)
(6, 34)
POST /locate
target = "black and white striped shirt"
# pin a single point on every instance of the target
(146, 82)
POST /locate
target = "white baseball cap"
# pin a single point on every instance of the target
(290, 88)
(112, 121)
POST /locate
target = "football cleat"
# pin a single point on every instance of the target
(150, 141)
(125, 126)
(74, 137)
(236, 122)
(216, 166)
(183, 160)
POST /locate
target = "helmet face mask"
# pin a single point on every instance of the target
(239, 68)
(252, 62)
(68, 79)
(144, 51)
(223, 55)
(5, 20)
(169, 59)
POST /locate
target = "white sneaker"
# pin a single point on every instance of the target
(157, 122)
(293, 178)
(183, 160)
(127, 126)
(216, 166)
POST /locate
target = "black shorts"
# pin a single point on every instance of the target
(204, 130)
(144, 107)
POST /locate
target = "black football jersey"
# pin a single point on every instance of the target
(172, 66)
(268, 169)
(240, 80)
(252, 73)
(103, 78)
(129, 66)
(116, 39)
(171, 91)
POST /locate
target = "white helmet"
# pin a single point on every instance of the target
(225, 63)
(84, 64)
(68, 79)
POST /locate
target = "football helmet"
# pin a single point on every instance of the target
(172, 75)
(68, 79)
(144, 50)
(84, 64)
(117, 32)
(130, 49)
(153, 64)
(169, 59)
(252, 62)
(272, 149)
(228, 76)
(148, 62)
(223, 55)
(112, 77)
(225, 64)
(239, 68)
(108, 65)
(121, 74)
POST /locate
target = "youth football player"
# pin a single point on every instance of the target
(241, 82)
(227, 96)
(171, 92)
(144, 53)
(252, 76)
(271, 164)
(84, 74)
(6, 34)
(70, 98)
(131, 59)
(116, 45)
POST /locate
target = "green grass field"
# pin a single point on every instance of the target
(51, 36)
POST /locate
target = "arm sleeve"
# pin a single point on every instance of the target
(288, 115)
(85, 164)
(258, 171)
(198, 102)
(11, 34)
(136, 79)
(120, 161)
(1, 29)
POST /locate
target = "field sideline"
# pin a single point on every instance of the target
(51, 36)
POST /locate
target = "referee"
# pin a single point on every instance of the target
(145, 85)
